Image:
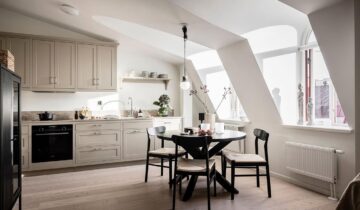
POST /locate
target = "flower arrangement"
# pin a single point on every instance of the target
(205, 90)
(163, 103)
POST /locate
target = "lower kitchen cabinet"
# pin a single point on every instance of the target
(97, 154)
(25, 138)
(99, 145)
(135, 140)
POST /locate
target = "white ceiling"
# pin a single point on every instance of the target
(309, 6)
(152, 26)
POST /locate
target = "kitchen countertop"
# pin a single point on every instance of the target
(25, 122)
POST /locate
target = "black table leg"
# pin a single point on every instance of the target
(190, 188)
(225, 183)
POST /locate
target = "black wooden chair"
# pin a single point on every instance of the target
(197, 167)
(237, 160)
(162, 153)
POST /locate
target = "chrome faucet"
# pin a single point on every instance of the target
(131, 106)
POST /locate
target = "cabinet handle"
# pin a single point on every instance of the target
(136, 131)
(55, 80)
(51, 80)
(97, 133)
(97, 82)
(167, 122)
(94, 81)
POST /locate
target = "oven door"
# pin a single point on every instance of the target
(52, 146)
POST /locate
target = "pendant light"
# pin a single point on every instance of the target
(185, 84)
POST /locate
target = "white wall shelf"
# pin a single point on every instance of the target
(144, 79)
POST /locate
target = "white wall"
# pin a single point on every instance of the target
(143, 94)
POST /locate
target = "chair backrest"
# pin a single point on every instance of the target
(193, 145)
(152, 132)
(264, 136)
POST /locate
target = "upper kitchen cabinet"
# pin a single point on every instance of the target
(106, 68)
(3, 43)
(65, 66)
(96, 67)
(62, 65)
(21, 49)
(86, 67)
(43, 65)
(53, 66)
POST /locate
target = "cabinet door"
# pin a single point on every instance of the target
(20, 48)
(3, 43)
(86, 64)
(97, 154)
(135, 144)
(106, 69)
(65, 65)
(97, 138)
(43, 65)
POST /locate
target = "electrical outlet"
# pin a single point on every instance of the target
(99, 103)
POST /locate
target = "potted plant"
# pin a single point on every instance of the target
(163, 103)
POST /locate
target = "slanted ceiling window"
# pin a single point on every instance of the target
(212, 73)
(285, 65)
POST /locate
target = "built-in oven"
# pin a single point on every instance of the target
(51, 143)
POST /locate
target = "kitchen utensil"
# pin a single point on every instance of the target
(46, 116)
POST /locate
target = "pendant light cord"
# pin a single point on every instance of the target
(184, 29)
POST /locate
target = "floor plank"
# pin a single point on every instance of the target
(122, 187)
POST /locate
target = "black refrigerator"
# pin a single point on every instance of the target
(10, 146)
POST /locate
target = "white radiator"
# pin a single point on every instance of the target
(314, 161)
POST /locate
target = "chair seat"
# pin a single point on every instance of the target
(193, 165)
(243, 158)
(166, 152)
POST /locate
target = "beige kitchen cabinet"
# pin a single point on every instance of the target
(86, 67)
(25, 139)
(53, 66)
(135, 140)
(3, 43)
(21, 49)
(106, 68)
(65, 66)
(96, 67)
(97, 142)
(43, 64)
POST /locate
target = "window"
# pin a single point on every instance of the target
(326, 105)
(212, 73)
(276, 51)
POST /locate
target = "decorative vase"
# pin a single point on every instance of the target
(210, 119)
(163, 113)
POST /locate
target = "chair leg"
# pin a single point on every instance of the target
(232, 180)
(174, 192)
(223, 166)
(180, 184)
(170, 173)
(268, 180)
(214, 180)
(257, 177)
(208, 190)
(146, 168)
(162, 167)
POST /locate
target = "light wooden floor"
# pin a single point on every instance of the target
(122, 188)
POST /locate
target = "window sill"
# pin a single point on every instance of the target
(336, 129)
(239, 123)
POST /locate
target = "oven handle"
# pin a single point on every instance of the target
(52, 134)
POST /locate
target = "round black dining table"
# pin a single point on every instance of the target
(219, 140)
